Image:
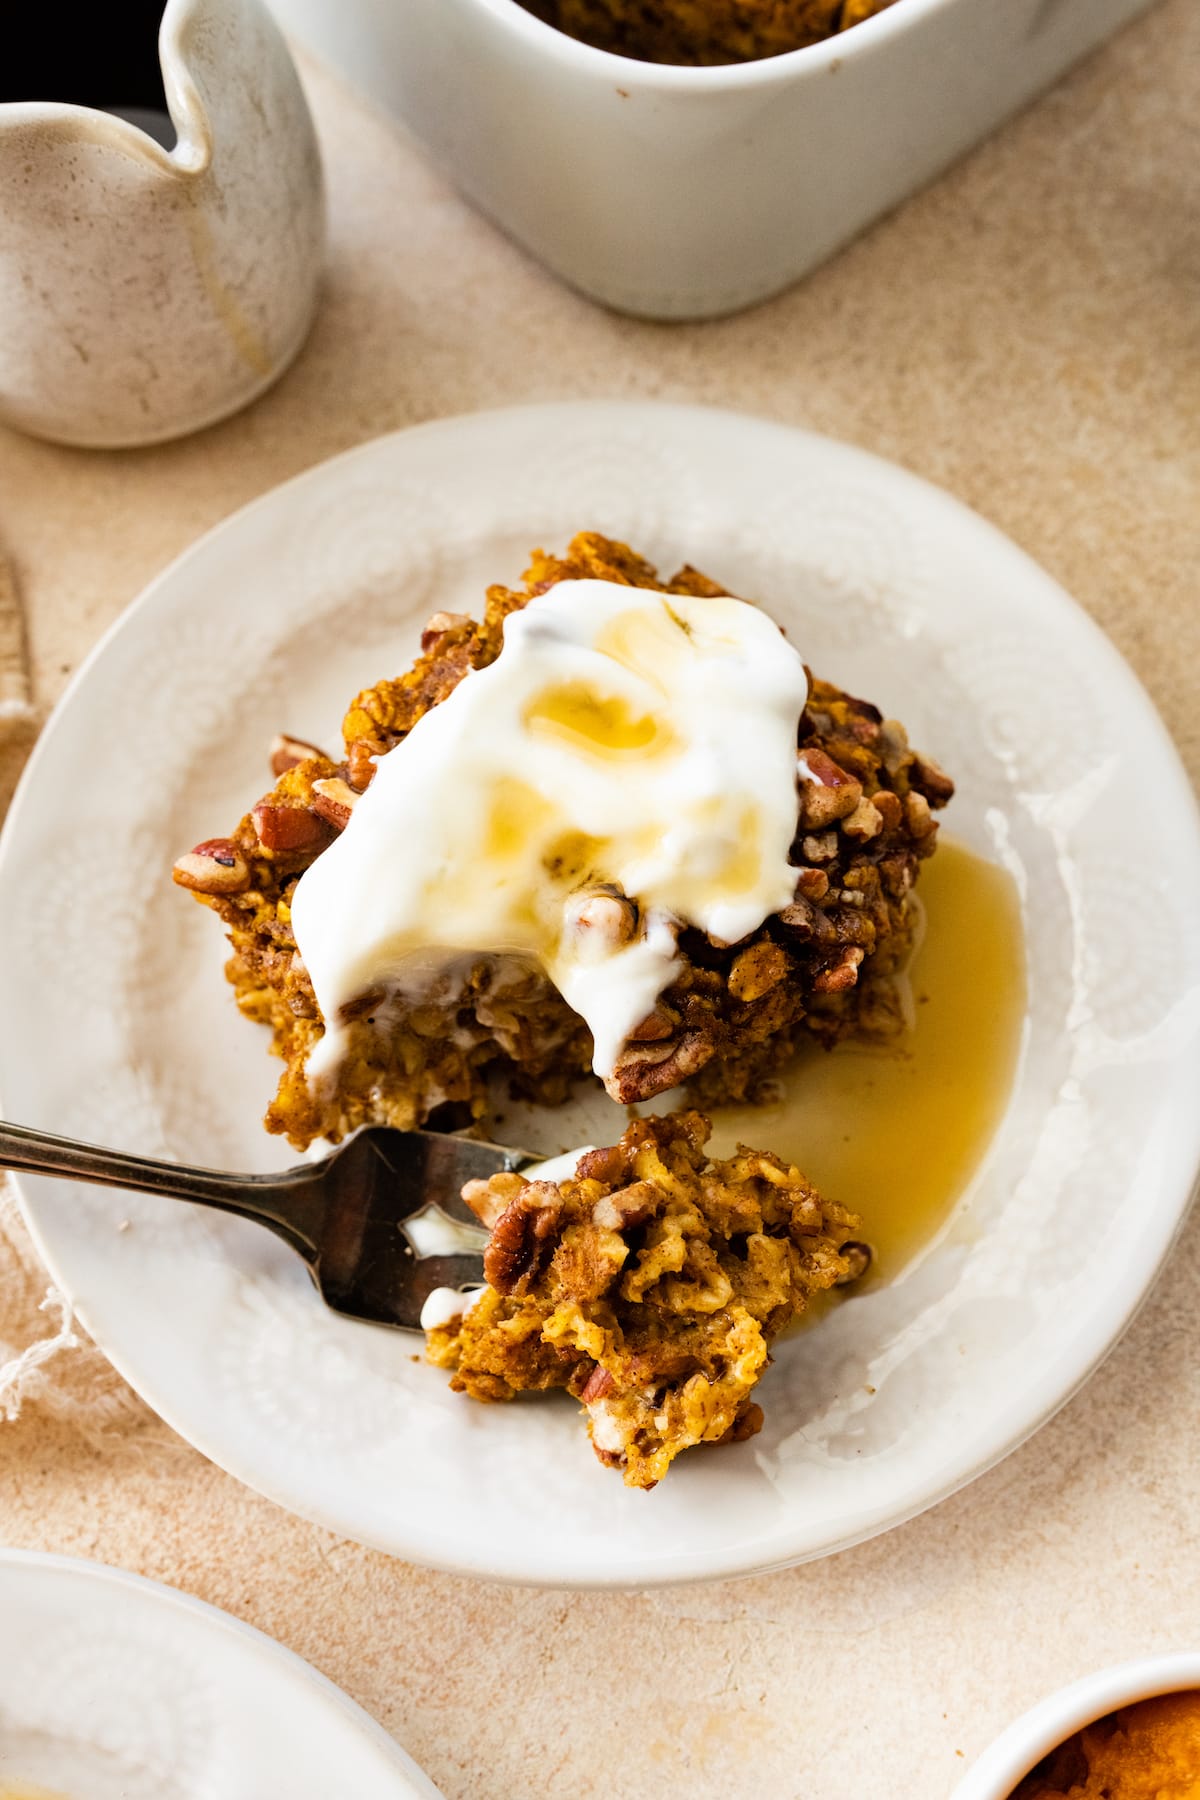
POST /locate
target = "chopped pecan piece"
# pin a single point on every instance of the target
(643, 1070)
(757, 970)
(216, 866)
(289, 752)
(893, 745)
(289, 830)
(859, 1258)
(610, 1165)
(440, 626)
(628, 1206)
(813, 884)
(808, 923)
(600, 918)
(334, 800)
(822, 848)
(932, 780)
(747, 1425)
(656, 1026)
(362, 1006)
(842, 975)
(488, 1199)
(866, 821)
(898, 873)
(523, 1238)
(360, 767)
(917, 815)
(827, 792)
(598, 1384)
(800, 917)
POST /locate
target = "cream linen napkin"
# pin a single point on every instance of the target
(18, 726)
(37, 1325)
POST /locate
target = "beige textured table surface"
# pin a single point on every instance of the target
(1028, 334)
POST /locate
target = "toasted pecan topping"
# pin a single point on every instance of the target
(758, 969)
(859, 1258)
(812, 884)
(608, 1164)
(898, 873)
(600, 916)
(289, 752)
(807, 921)
(820, 847)
(628, 1206)
(656, 1026)
(362, 1006)
(932, 780)
(523, 1238)
(488, 1199)
(827, 793)
(842, 975)
(334, 800)
(643, 1070)
(918, 817)
(440, 625)
(598, 1384)
(360, 767)
(866, 821)
(289, 830)
(216, 866)
(748, 1424)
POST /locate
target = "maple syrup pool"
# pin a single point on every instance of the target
(897, 1132)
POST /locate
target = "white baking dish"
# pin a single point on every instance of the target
(684, 193)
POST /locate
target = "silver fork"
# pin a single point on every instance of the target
(379, 1224)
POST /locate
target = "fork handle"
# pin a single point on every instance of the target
(291, 1203)
(42, 1153)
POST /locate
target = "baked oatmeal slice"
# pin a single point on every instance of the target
(703, 31)
(650, 1285)
(731, 1014)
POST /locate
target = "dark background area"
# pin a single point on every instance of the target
(88, 54)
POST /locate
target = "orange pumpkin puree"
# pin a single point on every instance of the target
(1150, 1751)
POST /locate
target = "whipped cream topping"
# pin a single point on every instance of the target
(625, 746)
(443, 1306)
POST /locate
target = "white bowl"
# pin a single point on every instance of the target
(685, 193)
(1054, 1719)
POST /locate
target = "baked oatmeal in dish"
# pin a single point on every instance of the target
(703, 31)
(650, 1285)
(613, 825)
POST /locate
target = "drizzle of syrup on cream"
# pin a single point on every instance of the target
(896, 1132)
(599, 725)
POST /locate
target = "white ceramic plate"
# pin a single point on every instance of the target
(126, 1032)
(114, 1688)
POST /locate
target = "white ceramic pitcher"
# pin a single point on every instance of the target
(147, 291)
